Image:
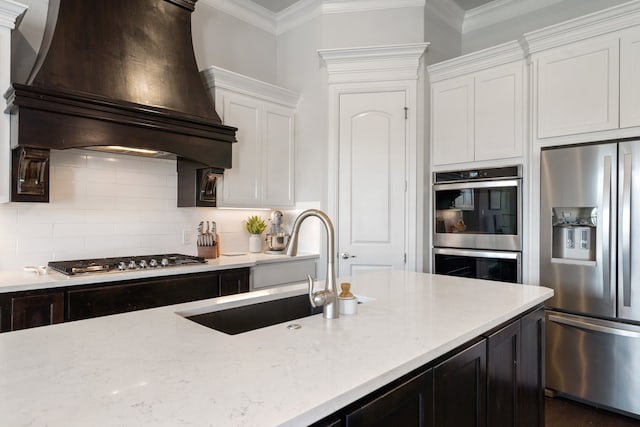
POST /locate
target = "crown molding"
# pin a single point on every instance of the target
(346, 6)
(375, 63)
(498, 11)
(497, 55)
(448, 11)
(216, 77)
(605, 21)
(297, 14)
(246, 11)
(303, 11)
(11, 13)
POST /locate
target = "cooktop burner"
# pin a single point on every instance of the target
(127, 263)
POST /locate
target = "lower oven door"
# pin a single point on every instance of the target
(478, 264)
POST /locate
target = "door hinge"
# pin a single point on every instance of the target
(406, 186)
(406, 113)
(405, 258)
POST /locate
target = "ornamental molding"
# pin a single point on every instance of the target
(613, 19)
(11, 13)
(302, 11)
(375, 63)
(470, 63)
(216, 77)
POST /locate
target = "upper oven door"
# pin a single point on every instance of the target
(479, 214)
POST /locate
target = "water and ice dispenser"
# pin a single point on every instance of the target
(574, 234)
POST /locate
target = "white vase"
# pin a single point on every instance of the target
(255, 243)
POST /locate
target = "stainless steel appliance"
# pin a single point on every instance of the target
(277, 237)
(477, 230)
(503, 266)
(126, 263)
(589, 229)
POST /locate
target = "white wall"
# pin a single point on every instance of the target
(301, 69)
(445, 40)
(514, 28)
(222, 40)
(373, 28)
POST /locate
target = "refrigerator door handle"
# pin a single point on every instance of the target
(590, 326)
(626, 231)
(606, 230)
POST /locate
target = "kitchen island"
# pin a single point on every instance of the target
(155, 367)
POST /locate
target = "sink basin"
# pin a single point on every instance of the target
(237, 320)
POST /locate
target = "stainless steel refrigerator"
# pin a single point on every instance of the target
(590, 256)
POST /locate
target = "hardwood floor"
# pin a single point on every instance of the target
(561, 412)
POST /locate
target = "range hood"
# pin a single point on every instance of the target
(116, 73)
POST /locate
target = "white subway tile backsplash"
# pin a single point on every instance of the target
(34, 213)
(83, 229)
(138, 203)
(71, 158)
(105, 205)
(136, 179)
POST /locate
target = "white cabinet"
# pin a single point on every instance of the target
(586, 77)
(577, 87)
(452, 120)
(266, 275)
(499, 112)
(477, 106)
(262, 172)
(630, 78)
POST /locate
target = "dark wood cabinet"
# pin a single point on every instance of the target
(531, 368)
(92, 301)
(503, 375)
(495, 380)
(409, 404)
(515, 373)
(459, 389)
(234, 282)
(29, 311)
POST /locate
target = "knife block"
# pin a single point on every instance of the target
(208, 252)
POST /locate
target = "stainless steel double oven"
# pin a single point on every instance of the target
(477, 229)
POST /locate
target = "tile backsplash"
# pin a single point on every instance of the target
(112, 205)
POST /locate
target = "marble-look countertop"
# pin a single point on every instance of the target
(21, 280)
(156, 368)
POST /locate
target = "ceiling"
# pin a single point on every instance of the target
(279, 5)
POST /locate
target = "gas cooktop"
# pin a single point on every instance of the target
(127, 263)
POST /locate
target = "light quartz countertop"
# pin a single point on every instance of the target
(156, 368)
(21, 280)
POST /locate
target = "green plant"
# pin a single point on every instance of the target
(255, 225)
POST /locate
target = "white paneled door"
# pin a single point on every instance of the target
(372, 189)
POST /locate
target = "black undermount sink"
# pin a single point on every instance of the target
(237, 320)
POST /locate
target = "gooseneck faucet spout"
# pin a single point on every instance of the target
(328, 298)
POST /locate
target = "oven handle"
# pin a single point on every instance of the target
(476, 253)
(476, 184)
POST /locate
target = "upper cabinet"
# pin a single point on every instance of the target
(478, 106)
(262, 172)
(586, 77)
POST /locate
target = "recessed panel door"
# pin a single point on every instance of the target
(371, 223)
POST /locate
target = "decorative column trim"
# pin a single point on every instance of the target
(215, 77)
(11, 13)
(376, 63)
(382, 69)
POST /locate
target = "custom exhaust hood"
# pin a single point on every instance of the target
(114, 75)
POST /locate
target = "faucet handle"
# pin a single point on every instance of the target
(310, 280)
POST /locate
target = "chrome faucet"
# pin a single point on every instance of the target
(328, 298)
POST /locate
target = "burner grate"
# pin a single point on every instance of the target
(126, 263)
